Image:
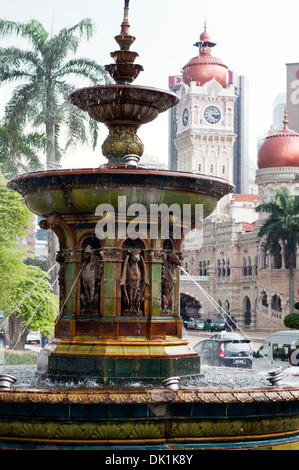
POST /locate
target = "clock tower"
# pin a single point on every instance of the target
(205, 135)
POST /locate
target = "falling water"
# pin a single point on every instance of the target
(4, 323)
(213, 302)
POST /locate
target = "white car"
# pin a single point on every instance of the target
(33, 337)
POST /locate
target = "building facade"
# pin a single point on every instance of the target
(232, 266)
(293, 95)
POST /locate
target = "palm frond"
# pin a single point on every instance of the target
(83, 67)
(32, 30)
(68, 39)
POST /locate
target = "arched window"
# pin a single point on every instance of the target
(263, 256)
(276, 303)
(228, 267)
(277, 257)
(200, 269)
(264, 299)
(244, 267)
(249, 267)
(247, 311)
(223, 268)
(168, 245)
(255, 265)
(219, 268)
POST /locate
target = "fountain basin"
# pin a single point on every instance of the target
(150, 419)
(121, 104)
(80, 191)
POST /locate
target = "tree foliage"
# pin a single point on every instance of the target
(36, 311)
(281, 228)
(20, 154)
(42, 89)
(25, 292)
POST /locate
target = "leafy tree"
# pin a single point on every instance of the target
(25, 292)
(36, 311)
(15, 220)
(40, 98)
(282, 228)
(36, 262)
(20, 155)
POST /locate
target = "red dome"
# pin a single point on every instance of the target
(280, 149)
(204, 68)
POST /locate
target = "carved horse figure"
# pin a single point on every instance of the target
(134, 278)
(172, 261)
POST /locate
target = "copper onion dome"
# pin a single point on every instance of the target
(280, 149)
(204, 67)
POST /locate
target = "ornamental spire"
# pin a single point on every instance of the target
(285, 121)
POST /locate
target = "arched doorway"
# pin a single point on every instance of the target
(247, 311)
(189, 307)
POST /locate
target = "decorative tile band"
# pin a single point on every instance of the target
(265, 395)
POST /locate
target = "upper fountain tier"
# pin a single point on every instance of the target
(122, 107)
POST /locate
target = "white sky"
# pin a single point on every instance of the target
(255, 38)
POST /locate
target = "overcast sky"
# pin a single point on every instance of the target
(255, 38)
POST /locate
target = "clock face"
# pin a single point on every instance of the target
(212, 114)
(185, 117)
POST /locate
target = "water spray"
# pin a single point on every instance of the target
(219, 309)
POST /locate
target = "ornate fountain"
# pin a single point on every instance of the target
(119, 297)
(119, 318)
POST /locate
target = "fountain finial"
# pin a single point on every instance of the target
(124, 71)
(124, 39)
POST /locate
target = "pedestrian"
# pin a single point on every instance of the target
(45, 340)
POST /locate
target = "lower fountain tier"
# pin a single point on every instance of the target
(149, 419)
(129, 359)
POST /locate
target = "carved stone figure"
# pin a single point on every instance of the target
(133, 281)
(60, 258)
(172, 261)
(90, 277)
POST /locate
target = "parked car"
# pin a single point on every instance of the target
(226, 351)
(33, 337)
(218, 324)
(195, 324)
(227, 335)
(276, 349)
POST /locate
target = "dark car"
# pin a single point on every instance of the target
(226, 352)
(218, 324)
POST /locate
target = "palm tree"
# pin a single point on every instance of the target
(281, 228)
(21, 154)
(40, 97)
